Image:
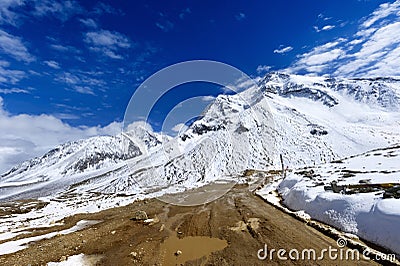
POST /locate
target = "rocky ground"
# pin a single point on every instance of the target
(227, 231)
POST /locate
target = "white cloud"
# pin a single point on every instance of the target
(88, 22)
(108, 43)
(103, 8)
(328, 27)
(59, 47)
(13, 90)
(324, 28)
(26, 136)
(165, 25)
(355, 42)
(244, 83)
(379, 47)
(383, 38)
(82, 82)
(283, 50)
(372, 51)
(13, 46)
(383, 11)
(109, 53)
(84, 90)
(185, 12)
(52, 64)
(323, 17)
(322, 58)
(7, 15)
(208, 98)
(9, 76)
(229, 89)
(66, 116)
(316, 60)
(240, 16)
(263, 68)
(69, 78)
(388, 65)
(181, 127)
(73, 51)
(107, 38)
(62, 10)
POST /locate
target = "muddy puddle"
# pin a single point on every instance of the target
(180, 250)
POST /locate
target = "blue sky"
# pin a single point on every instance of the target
(73, 65)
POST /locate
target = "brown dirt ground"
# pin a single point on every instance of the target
(231, 217)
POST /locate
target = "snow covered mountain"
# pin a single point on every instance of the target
(383, 92)
(74, 161)
(309, 120)
(322, 119)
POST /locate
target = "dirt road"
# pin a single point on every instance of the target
(228, 231)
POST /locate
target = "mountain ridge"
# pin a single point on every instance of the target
(309, 120)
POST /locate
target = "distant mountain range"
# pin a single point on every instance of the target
(309, 120)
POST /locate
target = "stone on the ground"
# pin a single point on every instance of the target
(140, 215)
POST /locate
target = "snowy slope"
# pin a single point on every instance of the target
(226, 140)
(319, 120)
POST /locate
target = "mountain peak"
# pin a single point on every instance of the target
(379, 92)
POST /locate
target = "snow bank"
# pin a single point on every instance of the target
(367, 215)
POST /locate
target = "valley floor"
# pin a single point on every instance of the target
(243, 222)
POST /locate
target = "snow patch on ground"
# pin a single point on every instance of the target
(77, 260)
(17, 245)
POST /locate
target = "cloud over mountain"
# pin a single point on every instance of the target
(372, 51)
